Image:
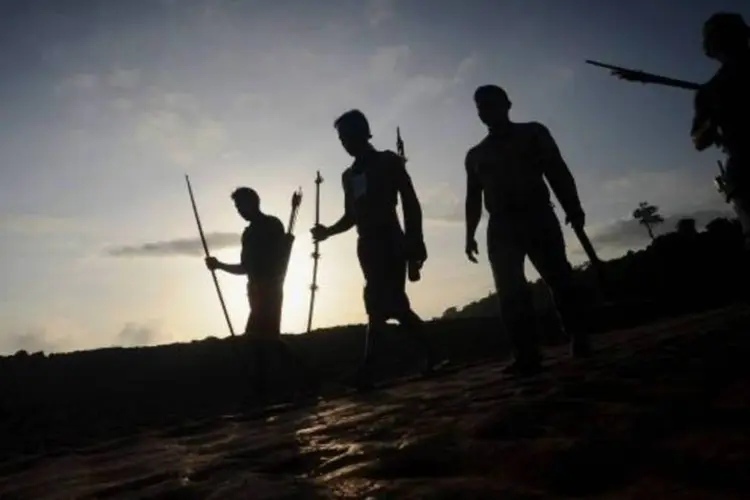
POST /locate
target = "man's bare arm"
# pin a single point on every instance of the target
(346, 222)
(473, 204)
(558, 174)
(236, 269)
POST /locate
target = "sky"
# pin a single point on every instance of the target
(106, 105)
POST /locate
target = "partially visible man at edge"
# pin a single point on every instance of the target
(265, 245)
(507, 168)
(372, 185)
(722, 108)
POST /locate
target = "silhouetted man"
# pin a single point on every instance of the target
(372, 185)
(508, 168)
(263, 260)
(722, 107)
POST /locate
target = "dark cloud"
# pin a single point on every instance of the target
(133, 335)
(184, 246)
(629, 233)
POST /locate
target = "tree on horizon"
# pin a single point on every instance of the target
(648, 215)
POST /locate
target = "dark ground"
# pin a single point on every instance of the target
(662, 412)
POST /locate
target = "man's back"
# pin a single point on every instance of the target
(371, 193)
(725, 101)
(264, 244)
(510, 169)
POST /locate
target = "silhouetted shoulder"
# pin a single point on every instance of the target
(275, 224)
(535, 129)
(473, 154)
(271, 226)
(345, 176)
(390, 157)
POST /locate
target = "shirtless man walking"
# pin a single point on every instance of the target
(508, 168)
(372, 186)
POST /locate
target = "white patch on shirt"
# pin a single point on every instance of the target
(359, 185)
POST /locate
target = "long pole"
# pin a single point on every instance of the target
(315, 254)
(205, 249)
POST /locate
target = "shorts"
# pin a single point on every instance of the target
(538, 235)
(383, 262)
(266, 303)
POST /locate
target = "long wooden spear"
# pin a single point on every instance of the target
(205, 249)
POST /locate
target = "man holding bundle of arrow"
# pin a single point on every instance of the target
(264, 259)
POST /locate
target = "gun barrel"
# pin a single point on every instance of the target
(602, 65)
(644, 77)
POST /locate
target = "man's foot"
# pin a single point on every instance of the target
(580, 346)
(523, 368)
(362, 380)
(431, 367)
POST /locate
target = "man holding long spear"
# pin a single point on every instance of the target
(264, 258)
(372, 186)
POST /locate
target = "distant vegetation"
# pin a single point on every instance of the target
(683, 268)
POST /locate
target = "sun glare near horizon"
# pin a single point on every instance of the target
(338, 288)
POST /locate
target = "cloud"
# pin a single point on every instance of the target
(183, 135)
(465, 68)
(413, 90)
(78, 82)
(185, 246)
(379, 11)
(121, 104)
(123, 78)
(53, 334)
(388, 62)
(32, 340)
(629, 234)
(134, 334)
(672, 189)
(441, 204)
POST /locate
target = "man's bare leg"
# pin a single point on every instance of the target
(306, 377)
(547, 253)
(506, 252)
(258, 357)
(519, 318)
(413, 325)
(363, 377)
